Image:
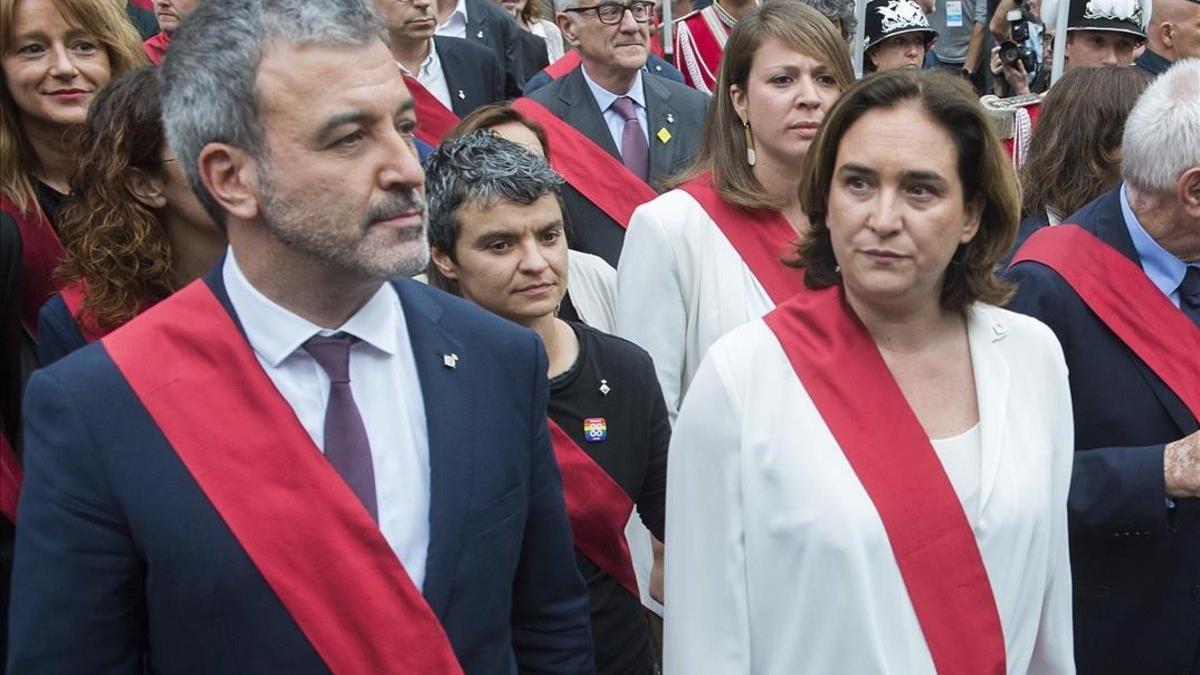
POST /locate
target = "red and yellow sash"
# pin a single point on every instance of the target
(601, 178)
(597, 507)
(41, 252)
(935, 549)
(1118, 291)
(434, 120)
(762, 238)
(10, 480)
(301, 525)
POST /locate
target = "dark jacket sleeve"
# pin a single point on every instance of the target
(652, 502)
(58, 334)
(76, 602)
(1113, 489)
(551, 627)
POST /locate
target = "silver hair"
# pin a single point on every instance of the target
(480, 169)
(209, 75)
(842, 10)
(1162, 133)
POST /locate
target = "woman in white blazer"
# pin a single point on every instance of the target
(683, 280)
(873, 477)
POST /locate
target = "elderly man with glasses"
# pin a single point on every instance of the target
(645, 122)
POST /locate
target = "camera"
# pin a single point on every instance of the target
(1013, 50)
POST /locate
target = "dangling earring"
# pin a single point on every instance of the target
(750, 158)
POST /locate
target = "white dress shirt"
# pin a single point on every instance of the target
(455, 24)
(431, 76)
(383, 379)
(605, 98)
(778, 562)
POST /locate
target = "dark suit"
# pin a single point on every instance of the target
(1135, 563)
(124, 566)
(531, 51)
(678, 109)
(1152, 63)
(492, 27)
(473, 74)
(58, 334)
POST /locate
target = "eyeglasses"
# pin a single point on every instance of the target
(611, 13)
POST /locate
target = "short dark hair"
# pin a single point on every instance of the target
(480, 169)
(983, 168)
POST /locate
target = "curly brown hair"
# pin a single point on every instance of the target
(114, 243)
(983, 168)
(1074, 152)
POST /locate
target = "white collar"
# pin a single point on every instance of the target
(604, 98)
(430, 60)
(275, 333)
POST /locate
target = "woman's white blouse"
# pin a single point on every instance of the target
(681, 286)
(778, 563)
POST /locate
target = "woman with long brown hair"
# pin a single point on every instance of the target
(705, 257)
(55, 56)
(1075, 152)
(134, 230)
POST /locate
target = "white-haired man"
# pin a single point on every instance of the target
(1119, 283)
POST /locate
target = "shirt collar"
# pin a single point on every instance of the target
(426, 66)
(275, 333)
(1163, 268)
(604, 98)
(459, 9)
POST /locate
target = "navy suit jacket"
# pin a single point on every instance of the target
(123, 566)
(58, 333)
(474, 75)
(677, 108)
(1135, 562)
(491, 26)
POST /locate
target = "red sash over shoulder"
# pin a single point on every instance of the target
(73, 295)
(762, 238)
(41, 252)
(301, 525)
(935, 549)
(565, 64)
(1118, 291)
(10, 480)
(434, 120)
(597, 175)
(597, 507)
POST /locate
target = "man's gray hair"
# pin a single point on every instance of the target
(480, 169)
(841, 10)
(1162, 133)
(212, 64)
(564, 5)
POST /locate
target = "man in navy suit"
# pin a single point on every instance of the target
(1133, 508)
(294, 465)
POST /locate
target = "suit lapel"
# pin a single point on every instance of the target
(459, 82)
(661, 116)
(476, 29)
(1108, 223)
(584, 113)
(992, 379)
(444, 390)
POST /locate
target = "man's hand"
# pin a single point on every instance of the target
(1017, 78)
(1181, 466)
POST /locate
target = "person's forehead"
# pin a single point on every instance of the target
(505, 215)
(314, 77)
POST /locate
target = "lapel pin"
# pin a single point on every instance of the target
(604, 388)
(450, 360)
(595, 429)
(670, 118)
(663, 135)
(479, 35)
(461, 95)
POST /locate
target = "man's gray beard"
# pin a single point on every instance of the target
(324, 240)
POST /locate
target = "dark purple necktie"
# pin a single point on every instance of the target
(1189, 294)
(346, 444)
(635, 153)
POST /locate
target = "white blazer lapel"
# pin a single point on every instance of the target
(984, 330)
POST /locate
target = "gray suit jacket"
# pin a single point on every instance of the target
(670, 106)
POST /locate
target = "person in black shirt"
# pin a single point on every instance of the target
(496, 231)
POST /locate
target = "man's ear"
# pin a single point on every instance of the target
(566, 24)
(230, 175)
(146, 188)
(443, 262)
(1188, 191)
